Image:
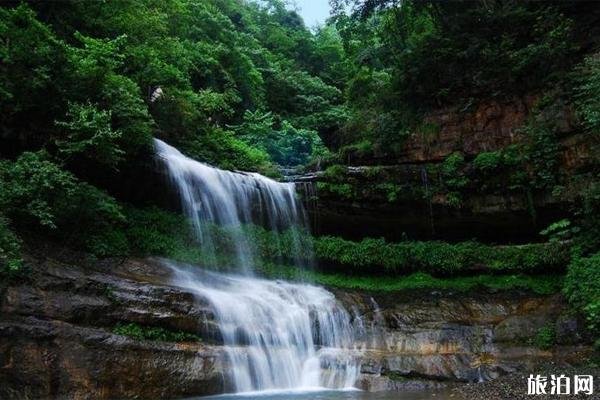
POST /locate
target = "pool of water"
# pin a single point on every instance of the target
(444, 394)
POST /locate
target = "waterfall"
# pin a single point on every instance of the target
(210, 196)
(277, 335)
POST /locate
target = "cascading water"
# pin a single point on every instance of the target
(210, 196)
(278, 335)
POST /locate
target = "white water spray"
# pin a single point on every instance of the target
(277, 335)
(210, 196)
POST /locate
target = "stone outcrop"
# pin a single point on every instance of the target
(57, 340)
(57, 337)
(485, 126)
(51, 359)
(394, 201)
(442, 337)
(392, 192)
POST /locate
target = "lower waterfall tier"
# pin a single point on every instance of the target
(58, 343)
(276, 334)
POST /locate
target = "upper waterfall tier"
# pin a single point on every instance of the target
(211, 196)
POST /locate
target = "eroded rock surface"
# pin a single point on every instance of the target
(394, 192)
(57, 340)
(56, 337)
(456, 337)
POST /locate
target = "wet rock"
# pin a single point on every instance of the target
(382, 383)
(448, 337)
(52, 359)
(56, 335)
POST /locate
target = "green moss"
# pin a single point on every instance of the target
(545, 337)
(335, 173)
(341, 190)
(582, 288)
(378, 256)
(417, 281)
(140, 332)
(10, 250)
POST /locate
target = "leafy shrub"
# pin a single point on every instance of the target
(89, 132)
(10, 249)
(377, 257)
(335, 173)
(285, 143)
(391, 191)
(454, 178)
(542, 152)
(417, 281)
(37, 192)
(35, 187)
(587, 92)
(488, 161)
(582, 288)
(545, 337)
(560, 231)
(140, 332)
(223, 149)
(439, 258)
(342, 190)
(361, 149)
(152, 231)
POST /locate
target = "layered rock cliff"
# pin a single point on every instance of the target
(388, 191)
(58, 340)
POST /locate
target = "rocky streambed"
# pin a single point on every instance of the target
(58, 340)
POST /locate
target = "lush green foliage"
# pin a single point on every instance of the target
(140, 332)
(582, 288)
(152, 231)
(545, 338)
(410, 56)
(85, 86)
(36, 191)
(89, 132)
(587, 92)
(10, 249)
(377, 257)
(416, 281)
(100, 80)
(439, 258)
(285, 144)
(453, 178)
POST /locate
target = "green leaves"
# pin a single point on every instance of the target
(10, 249)
(285, 144)
(97, 57)
(35, 186)
(439, 258)
(89, 132)
(582, 288)
(587, 92)
(139, 332)
(37, 192)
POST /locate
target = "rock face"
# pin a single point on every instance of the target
(486, 126)
(57, 340)
(56, 337)
(402, 201)
(392, 192)
(444, 337)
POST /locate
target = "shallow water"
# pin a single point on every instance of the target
(444, 394)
